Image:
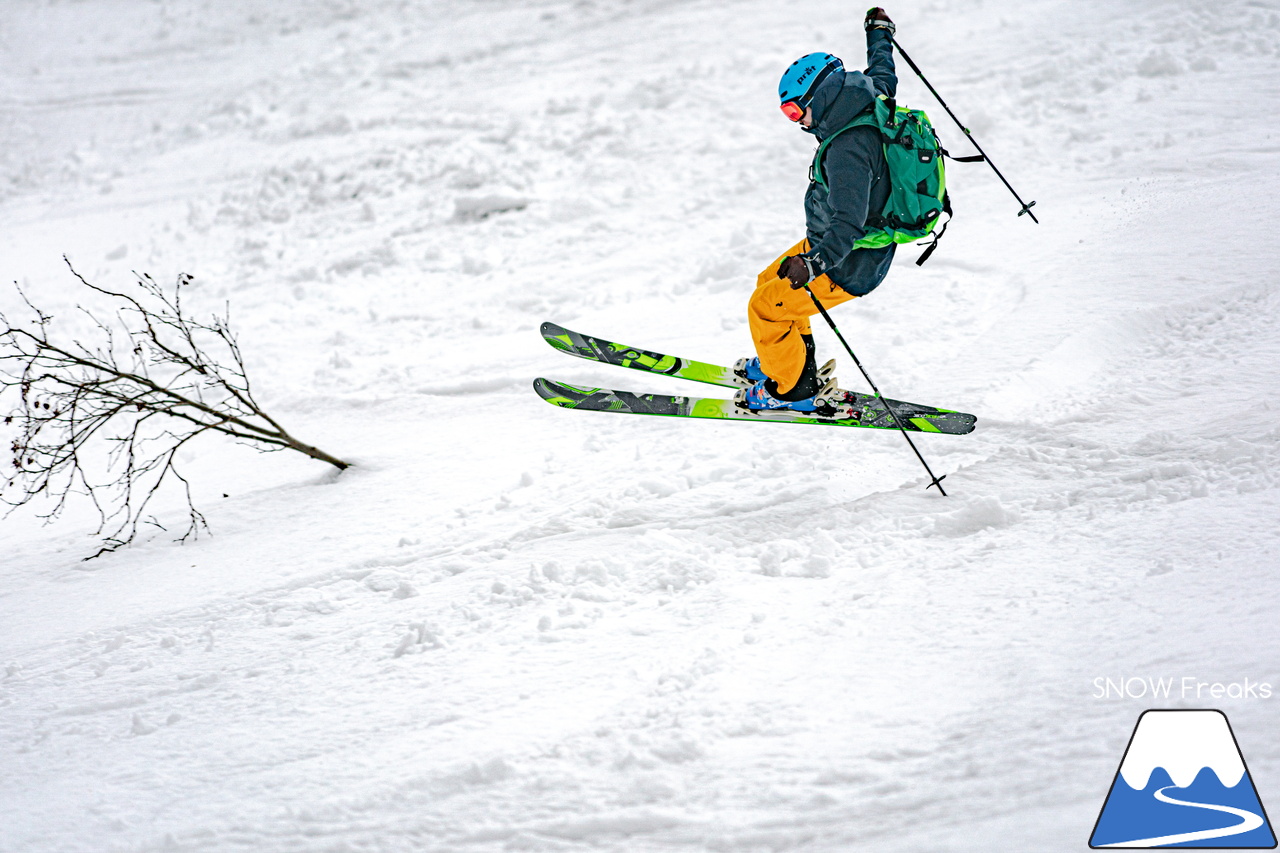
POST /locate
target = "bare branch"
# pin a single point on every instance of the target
(106, 420)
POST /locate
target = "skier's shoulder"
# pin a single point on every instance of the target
(857, 94)
(858, 91)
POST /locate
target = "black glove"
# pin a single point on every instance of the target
(877, 19)
(800, 270)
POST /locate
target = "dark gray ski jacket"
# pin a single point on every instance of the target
(856, 173)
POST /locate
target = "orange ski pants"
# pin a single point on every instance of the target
(779, 315)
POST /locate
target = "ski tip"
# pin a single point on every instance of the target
(560, 393)
(546, 390)
(558, 337)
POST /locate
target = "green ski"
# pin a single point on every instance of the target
(607, 352)
(869, 412)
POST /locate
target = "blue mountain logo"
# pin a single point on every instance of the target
(1183, 783)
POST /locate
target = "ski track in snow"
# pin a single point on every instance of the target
(511, 627)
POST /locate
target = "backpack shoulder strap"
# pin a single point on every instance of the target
(880, 115)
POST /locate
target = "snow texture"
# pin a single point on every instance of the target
(513, 627)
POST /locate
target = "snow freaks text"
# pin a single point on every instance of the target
(1186, 687)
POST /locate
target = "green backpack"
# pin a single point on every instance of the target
(918, 192)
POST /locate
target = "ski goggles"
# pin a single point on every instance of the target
(794, 108)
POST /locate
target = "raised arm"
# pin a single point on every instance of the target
(880, 66)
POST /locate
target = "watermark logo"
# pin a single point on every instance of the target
(1187, 687)
(1183, 783)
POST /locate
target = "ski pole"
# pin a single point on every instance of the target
(1026, 206)
(934, 481)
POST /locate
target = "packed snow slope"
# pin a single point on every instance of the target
(513, 627)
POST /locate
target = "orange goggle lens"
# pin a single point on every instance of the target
(792, 110)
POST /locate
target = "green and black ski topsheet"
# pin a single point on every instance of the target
(607, 352)
(869, 411)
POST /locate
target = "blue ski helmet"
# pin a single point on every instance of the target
(803, 76)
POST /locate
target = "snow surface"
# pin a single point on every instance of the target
(512, 627)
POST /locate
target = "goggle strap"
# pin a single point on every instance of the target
(817, 81)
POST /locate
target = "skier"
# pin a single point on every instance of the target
(823, 98)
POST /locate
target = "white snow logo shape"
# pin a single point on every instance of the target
(1183, 783)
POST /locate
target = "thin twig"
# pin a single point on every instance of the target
(107, 419)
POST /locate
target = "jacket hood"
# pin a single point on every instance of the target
(838, 100)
